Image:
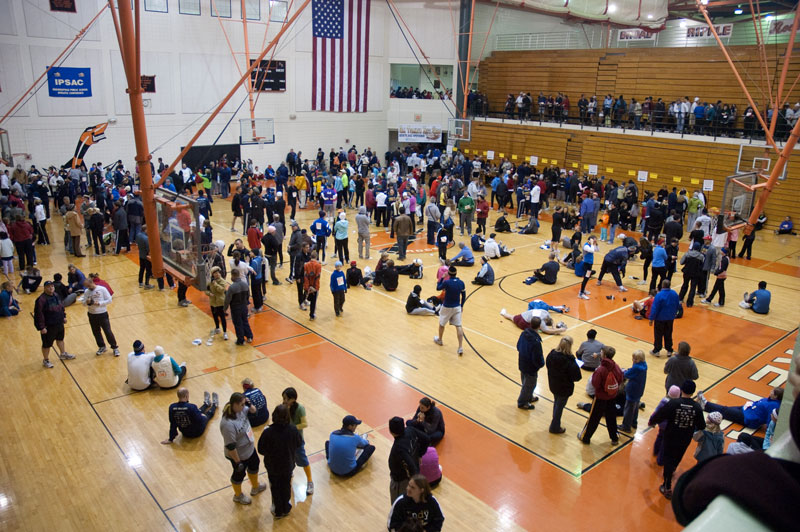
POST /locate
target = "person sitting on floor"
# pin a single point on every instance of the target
(255, 397)
(502, 225)
(752, 415)
(464, 257)
(494, 249)
(547, 274)
(759, 300)
(68, 297)
(531, 228)
(416, 306)
(187, 418)
(166, 372)
(485, 276)
(9, 306)
(786, 227)
(140, 371)
(31, 279)
(355, 277)
(589, 351)
(428, 418)
(641, 308)
(390, 276)
(477, 241)
(523, 321)
(346, 451)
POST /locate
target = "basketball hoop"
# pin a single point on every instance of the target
(26, 156)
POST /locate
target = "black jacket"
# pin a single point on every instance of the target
(406, 453)
(271, 245)
(529, 347)
(562, 373)
(278, 444)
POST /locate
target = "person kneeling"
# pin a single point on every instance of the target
(485, 277)
(166, 372)
(186, 417)
(416, 306)
(346, 451)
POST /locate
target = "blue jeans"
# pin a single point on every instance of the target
(559, 402)
(630, 413)
(612, 232)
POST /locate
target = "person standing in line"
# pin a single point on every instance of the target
(120, 224)
(97, 298)
(145, 266)
(279, 444)
(240, 450)
(294, 248)
(299, 273)
(237, 299)
(49, 318)
(341, 238)
(74, 227)
(636, 377)
(683, 416)
(403, 228)
(297, 417)
(721, 273)
(186, 417)
(663, 312)
(530, 361)
(338, 288)
(450, 312)
(312, 271)
(362, 223)
(562, 374)
(606, 381)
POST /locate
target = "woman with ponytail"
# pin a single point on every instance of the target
(297, 415)
(240, 447)
(428, 418)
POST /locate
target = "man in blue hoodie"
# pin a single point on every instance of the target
(531, 360)
(321, 230)
(752, 415)
(663, 312)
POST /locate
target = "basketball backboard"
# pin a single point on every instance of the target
(459, 129)
(256, 131)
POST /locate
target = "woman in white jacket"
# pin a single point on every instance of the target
(40, 216)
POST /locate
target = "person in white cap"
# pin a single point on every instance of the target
(694, 105)
(166, 372)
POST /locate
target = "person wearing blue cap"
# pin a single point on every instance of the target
(338, 288)
(346, 451)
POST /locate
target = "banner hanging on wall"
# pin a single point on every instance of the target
(68, 82)
(419, 133)
(635, 35)
(90, 136)
(703, 32)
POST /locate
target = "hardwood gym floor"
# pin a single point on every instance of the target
(80, 451)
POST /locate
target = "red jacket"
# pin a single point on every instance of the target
(20, 231)
(599, 378)
(254, 236)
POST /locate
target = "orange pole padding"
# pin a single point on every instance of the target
(760, 118)
(128, 48)
(469, 61)
(230, 94)
(64, 51)
(777, 170)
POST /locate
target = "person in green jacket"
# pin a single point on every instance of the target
(466, 209)
(693, 207)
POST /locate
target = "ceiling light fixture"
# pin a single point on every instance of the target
(683, 23)
(612, 8)
(650, 17)
(738, 11)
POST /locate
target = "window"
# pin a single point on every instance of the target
(221, 8)
(158, 6)
(278, 9)
(253, 9)
(189, 7)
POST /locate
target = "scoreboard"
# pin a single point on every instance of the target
(269, 76)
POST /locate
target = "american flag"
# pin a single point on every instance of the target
(341, 55)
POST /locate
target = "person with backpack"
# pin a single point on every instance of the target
(606, 381)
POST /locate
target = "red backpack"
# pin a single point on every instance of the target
(611, 386)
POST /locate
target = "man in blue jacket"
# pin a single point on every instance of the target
(346, 451)
(662, 316)
(189, 419)
(752, 415)
(531, 360)
(614, 262)
(450, 311)
(321, 230)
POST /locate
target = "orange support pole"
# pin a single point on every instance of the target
(128, 46)
(469, 61)
(246, 61)
(230, 94)
(64, 51)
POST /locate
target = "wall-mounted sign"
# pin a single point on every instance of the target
(67, 82)
(64, 6)
(419, 133)
(781, 27)
(148, 83)
(635, 35)
(703, 32)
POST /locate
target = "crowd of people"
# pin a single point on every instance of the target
(683, 115)
(413, 93)
(410, 189)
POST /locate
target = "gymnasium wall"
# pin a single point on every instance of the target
(669, 162)
(194, 69)
(668, 73)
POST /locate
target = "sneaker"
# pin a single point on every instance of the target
(148, 287)
(116, 352)
(225, 336)
(641, 282)
(46, 363)
(288, 280)
(66, 356)
(215, 399)
(101, 351)
(502, 312)
(667, 493)
(587, 292)
(437, 340)
(626, 430)
(560, 430)
(310, 488)
(599, 283)
(622, 289)
(242, 499)
(460, 351)
(141, 285)
(184, 303)
(614, 442)
(705, 301)
(527, 406)
(718, 305)
(746, 296)
(566, 310)
(583, 295)
(702, 400)
(655, 353)
(261, 487)
(206, 398)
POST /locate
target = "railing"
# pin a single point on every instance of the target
(547, 41)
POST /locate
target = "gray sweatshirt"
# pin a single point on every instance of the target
(362, 221)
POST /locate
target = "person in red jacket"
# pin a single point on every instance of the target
(254, 235)
(21, 233)
(606, 380)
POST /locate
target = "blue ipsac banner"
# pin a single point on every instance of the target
(67, 82)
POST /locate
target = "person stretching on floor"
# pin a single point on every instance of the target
(524, 320)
